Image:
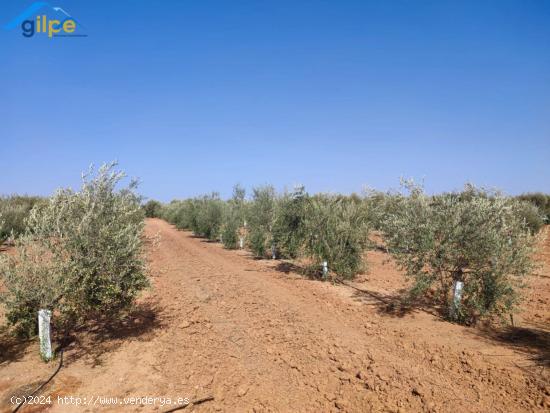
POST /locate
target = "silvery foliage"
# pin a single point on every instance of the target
(288, 223)
(80, 256)
(180, 213)
(261, 213)
(208, 216)
(336, 230)
(475, 236)
(379, 205)
(234, 215)
(152, 208)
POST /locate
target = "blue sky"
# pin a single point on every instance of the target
(194, 96)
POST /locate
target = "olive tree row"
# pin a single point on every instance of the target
(320, 228)
(468, 249)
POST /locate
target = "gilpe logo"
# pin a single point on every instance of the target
(44, 19)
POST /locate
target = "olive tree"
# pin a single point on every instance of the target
(183, 214)
(531, 214)
(208, 215)
(234, 217)
(79, 257)
(336, 230)
(260, 218)
(289, 220)
(152, 209)
(475, 239)
(541, 202)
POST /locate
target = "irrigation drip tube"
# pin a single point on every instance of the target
(22, 403)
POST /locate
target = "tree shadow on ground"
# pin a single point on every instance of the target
(12, 348)
(209, 241)
(312, 273)
(533, 341)
(93, 341)
(289, 267)
(396, 304)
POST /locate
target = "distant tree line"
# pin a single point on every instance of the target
(14, 210)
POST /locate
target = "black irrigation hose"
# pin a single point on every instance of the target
(22, 403)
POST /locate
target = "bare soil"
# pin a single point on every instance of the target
(258, 337)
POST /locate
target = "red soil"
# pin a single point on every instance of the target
(258, 337)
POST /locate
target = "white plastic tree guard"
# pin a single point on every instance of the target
(44, 330)
(241, 242)
(273, 252)
(457, 297)
(325, 269)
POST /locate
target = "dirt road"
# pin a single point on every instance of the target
(258, 337)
